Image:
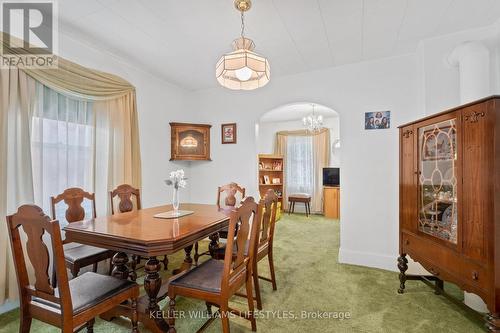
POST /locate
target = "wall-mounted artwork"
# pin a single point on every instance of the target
(228, 132)
(377, 120)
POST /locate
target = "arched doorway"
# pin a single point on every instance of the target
(302, 174)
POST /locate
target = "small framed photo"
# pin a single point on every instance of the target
(377, 120)
(228, 132)
(276, 181)
(266, 180)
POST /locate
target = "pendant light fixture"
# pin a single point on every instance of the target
(312, 122)
(243, 69)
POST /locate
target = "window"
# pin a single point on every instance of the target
(62, 147)
(299, 167)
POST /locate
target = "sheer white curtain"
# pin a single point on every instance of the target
(62, 146)
(306, 154)
(300, 175)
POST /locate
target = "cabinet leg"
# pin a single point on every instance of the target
(403, 267)
(493, 322)
(438, 287)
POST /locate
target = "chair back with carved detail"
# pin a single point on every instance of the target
(73, 198)
(125, 193)
(242, 219)
(268, 205)
(230, 190)
(34, 223)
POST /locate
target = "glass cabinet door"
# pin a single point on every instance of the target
(437, 180)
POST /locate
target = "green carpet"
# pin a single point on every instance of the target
(310, 279)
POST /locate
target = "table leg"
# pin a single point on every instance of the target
(188, 261)
(120, 268)
(152, 284)
(214, 243)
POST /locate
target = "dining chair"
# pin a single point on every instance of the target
(78, 256)
(216, 281)
(264, 247)
(125, 193)
(72, 305)
(230, 192)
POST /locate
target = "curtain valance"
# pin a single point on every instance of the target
(72, 79)
(302, 132)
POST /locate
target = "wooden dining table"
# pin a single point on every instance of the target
(141, 233)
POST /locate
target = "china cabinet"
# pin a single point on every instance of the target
(450, 200)
(190, 142)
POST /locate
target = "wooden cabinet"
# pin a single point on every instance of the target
(190, 142)
(449, 214)
(331, 202)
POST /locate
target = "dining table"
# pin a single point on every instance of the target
(142, 233)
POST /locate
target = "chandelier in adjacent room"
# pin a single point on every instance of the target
(243, 69)
(312, 122)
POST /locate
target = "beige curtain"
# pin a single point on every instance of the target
(117, 159)
(117, 96)
(115, 105)
(17, 91)
(321, 159)
(281, 149)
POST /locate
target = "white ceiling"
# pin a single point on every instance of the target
(181, 40)
(297, 111)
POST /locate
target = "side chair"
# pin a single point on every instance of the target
(72, 305)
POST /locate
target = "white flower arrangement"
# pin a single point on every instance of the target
(177, 179)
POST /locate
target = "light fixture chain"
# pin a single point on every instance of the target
(242, 24)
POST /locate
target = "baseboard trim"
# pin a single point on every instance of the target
(368, 259)
(8, 305)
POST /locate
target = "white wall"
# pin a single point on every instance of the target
(158, 103)
(369, 198)
(266, 138)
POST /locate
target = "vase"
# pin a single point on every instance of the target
(175, 200)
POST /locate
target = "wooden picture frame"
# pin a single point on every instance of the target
(228, 133)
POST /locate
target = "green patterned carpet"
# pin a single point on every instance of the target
(311, 280)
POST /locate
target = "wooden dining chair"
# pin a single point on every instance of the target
(78, 256)
(264, 248)
(265, 239)
(125, 193)
(216, 281)
(230, 192)
(72, 305)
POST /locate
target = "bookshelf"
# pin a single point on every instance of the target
(271, 171)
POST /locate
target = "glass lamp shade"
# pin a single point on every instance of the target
(189, 142)
(243, 69)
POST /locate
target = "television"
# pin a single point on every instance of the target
(331, 176)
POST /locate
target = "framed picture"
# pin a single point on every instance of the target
(276, 181)
(377, 120)
(266, 180)
(228, 132)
